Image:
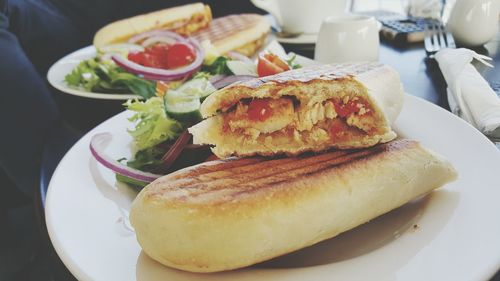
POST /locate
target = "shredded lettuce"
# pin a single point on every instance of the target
(153, 126)
(104, 76)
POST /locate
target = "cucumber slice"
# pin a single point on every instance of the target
(199, 88)
(184, 108)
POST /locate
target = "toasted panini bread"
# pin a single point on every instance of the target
(233, 213)
(184, 20)
(244, 33)
(310, 109)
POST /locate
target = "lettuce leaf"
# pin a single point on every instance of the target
(104, 76)
(153, 126)
(136, 85)
(148, 159)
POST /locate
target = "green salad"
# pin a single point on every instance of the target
(161, 119)
(167, 108)
(104, 76)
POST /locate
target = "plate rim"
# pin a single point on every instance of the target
(300, 39)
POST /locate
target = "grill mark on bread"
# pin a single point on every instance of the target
(213, 166)
(242, 177)
(281, 179)
(254, 172)
(251, 168)
(223, 27)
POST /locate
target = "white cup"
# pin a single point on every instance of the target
(301, 16)
(474, 22)
(347, 38)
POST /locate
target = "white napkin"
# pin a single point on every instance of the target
(469, 95)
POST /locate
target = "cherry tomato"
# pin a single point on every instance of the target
(259, 109)
(180, 54)
(154, 56)
(270, 64)
(137, 57)
(277, 61)
(159, 52)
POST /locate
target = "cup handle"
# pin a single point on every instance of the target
(270, 6)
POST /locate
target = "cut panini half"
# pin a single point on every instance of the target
(311, 109)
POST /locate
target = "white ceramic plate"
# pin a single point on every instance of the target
(62, 67)
(452, 234)
(302, 39)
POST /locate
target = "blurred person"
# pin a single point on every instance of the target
(33, 35)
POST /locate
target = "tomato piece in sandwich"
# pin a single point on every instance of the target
(270, 64)
(259, 109)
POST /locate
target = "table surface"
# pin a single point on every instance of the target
(420, 77)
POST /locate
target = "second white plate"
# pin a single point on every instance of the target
(302, 39)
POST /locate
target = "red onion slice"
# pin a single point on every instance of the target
(158, 39)
(231, 79)
(175, 150)
(163, 74)
(163, 33)
(216, 78)
(97, 145)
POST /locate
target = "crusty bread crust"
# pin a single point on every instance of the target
(232, 213)
(198, 16)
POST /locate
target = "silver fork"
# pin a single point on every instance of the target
(437, 38)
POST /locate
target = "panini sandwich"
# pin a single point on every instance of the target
(232, 213)
(243, 33)
(184, 20)
(310, 109)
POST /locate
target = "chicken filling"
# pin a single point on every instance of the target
(333, 119)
